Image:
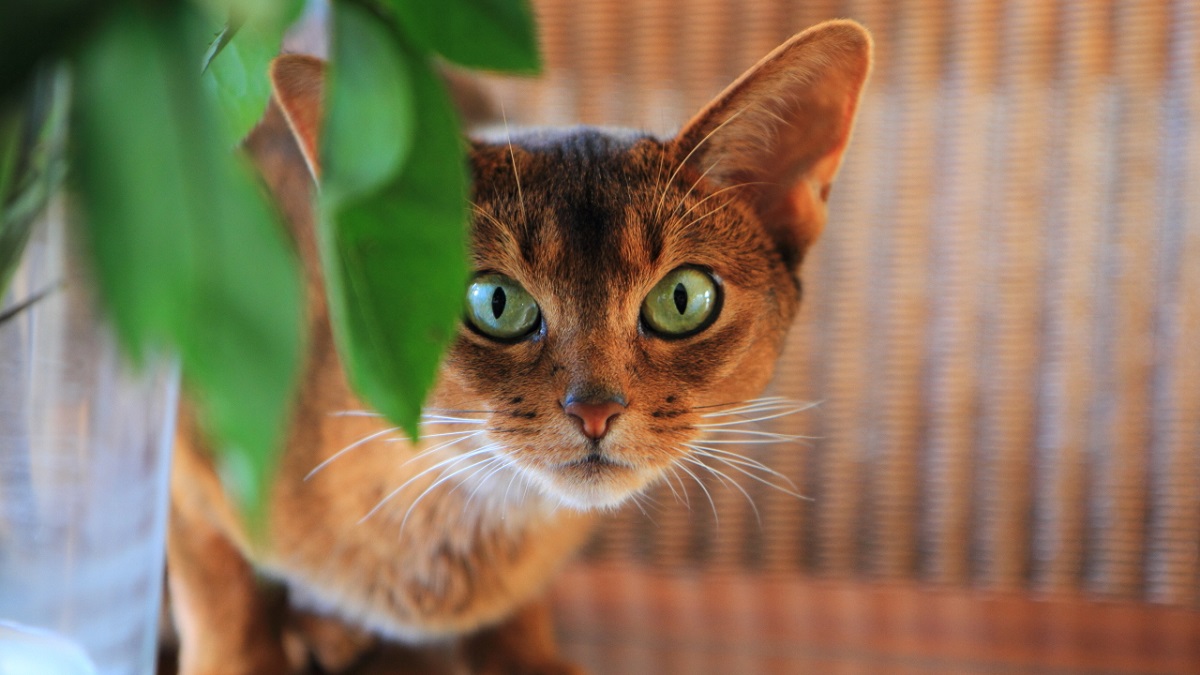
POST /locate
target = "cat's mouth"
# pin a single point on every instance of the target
(595, 467)
(594, 481)
(595, 460)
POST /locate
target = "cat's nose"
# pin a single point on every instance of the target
(594, 416)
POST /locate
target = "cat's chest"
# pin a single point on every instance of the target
(412, 542)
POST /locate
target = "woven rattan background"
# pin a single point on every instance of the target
(1003, 319)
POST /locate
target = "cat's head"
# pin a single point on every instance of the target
(628, 288)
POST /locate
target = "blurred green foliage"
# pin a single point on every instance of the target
(394, 231)
(32, 139)
(186, 250)
(187, 253)
(489, 34)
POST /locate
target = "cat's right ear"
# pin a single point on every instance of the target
(298, 81)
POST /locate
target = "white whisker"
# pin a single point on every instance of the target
(501, 464)
(687, 498)
(362, 441)
(508, 488)
(482, 465)
(659, 174)
(516, 174)
(742, 460)
(760, 479)
(795, 406)
(450, 461)
(693, 187)
(526, 485)
(671, 486)
(716, 518)
(751, 409)
(782, 438)
(442, 419)
(511, 480)
(707, 214)
(461, 432)
(762, 418)
(762, 407)
(743, 441)
(749, 401)
(717, 194)
(684, 161)
(722, 476)
(438, 482)
(440, 446)
(636, 500)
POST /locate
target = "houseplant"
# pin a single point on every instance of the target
(179, 248)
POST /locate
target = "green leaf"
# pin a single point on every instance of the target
(36, 31)
(235, 64)
(186, 251)
(13, 232)
(487, 34)
(10, 145)
(370, 120)
(219, 43)
(237, 76)
(267, 13)
(395, 259)
(32, 163)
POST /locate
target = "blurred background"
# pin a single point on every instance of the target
(1002, 325)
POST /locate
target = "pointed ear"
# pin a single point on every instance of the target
(298, 81)
(781, 130)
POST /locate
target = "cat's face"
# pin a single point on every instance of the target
(628, 289)
(619, 298)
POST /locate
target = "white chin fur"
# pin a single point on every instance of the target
(590, 496)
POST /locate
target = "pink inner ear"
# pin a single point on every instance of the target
(795, 215)
(299, 82)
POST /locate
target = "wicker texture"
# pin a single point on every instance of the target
(1003, 318)
(629, 620)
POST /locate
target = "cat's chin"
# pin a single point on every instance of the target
(592, 484)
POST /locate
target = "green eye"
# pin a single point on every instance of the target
(499, 307)
(684, 302)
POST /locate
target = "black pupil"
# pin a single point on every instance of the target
(680, 297)
(498, 302)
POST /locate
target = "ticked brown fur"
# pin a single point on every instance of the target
(587, 221)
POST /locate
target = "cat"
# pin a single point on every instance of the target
(626, 286)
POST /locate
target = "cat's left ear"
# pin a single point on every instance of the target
(780, 130)
(298, 82)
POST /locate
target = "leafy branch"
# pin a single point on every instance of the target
(186, 252)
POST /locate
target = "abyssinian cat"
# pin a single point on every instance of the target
(625, 287)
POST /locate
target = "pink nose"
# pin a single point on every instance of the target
(594, 418)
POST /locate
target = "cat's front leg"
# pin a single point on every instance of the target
(523, 644)
(333, 645)
(222, 617)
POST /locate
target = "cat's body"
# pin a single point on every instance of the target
(532, 425)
